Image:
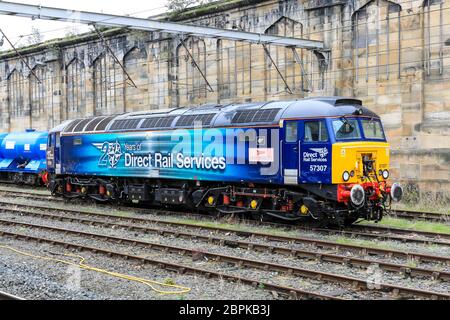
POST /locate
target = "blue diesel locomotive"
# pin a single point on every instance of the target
(325, 158)
(22, 157)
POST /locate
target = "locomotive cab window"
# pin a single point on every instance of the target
(373, 129)
(346, 129)
(315, 131)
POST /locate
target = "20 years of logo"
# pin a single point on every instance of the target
(111, 153)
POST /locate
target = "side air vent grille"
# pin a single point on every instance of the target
(157, 122)
(190, 120)
(255, 116)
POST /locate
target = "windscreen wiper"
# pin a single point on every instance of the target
(347, 124)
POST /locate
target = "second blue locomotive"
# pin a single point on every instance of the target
(22, 157)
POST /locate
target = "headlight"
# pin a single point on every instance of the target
(385, 174)
(357, 195)
(396, 192)
(345, 176)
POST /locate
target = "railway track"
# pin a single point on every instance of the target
(284, 250)
(136, 224)
(358, 231)
(411, 215)
(174, 267)
(416, 215)
(356, 283)
(406, 214)
(7, 296)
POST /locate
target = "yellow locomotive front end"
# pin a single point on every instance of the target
(361, 172)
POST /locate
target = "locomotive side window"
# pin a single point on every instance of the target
(57, 140)
(291, 132)
(315, 131)
(51, 140)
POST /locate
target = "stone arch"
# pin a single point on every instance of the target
(191, 86)
(75, 88)
(135, 63)
(234, 69)
(284, 59)
(15, 93)
(38, 85)
(100, 81)
(433, 33)
(376, 40)
(363, 4)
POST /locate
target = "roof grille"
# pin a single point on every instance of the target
(341, 102)
(72, 125)
(190, 120)
(80, 126)
(104, 123)
(157, 122)
(255, 116)
(94, 122)
(125, 124)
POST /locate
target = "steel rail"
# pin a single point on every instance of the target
(431, 216)
(175, 267)
(400, 231)
(298, 253)
(416, 215)
(323, 244)
(361, 230)
(7, 296)
(239, 261)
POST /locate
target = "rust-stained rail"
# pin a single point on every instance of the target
(250, 245)
(361, 231)
(251, 263)
(179, 268)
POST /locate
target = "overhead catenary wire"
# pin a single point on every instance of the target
(319, 31)
(22, 36)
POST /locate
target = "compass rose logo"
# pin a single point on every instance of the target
(321, 151)
(111, 153)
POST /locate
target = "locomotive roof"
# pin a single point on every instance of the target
(212, 115)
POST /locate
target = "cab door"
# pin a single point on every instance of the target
(290, 152)
(315, 158)
(53, 153)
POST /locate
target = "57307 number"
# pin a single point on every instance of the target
(318, 168)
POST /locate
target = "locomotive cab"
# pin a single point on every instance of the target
(342, 160)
